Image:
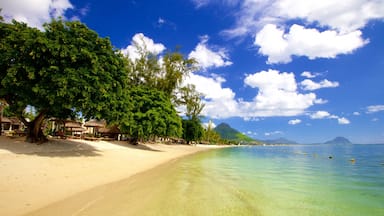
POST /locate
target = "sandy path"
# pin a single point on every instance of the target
(33, 176)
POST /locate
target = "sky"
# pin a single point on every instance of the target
(305, 70)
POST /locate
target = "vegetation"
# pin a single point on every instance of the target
(63, 70)
(152, 115)
(67, 70)
(211, 136)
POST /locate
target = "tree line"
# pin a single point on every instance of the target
(68, 69)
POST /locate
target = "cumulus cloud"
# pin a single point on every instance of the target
(327, 115)
(375, 108)
(294, 121)
(276, 94)
(347, 15)
(280, 46)
(208, 58)
(139, 44)
(320, 115)
(34, 12)
(310, 85)
(343, 120)
(309, 75)
(219, 102)
(327, 28)
(344, 16)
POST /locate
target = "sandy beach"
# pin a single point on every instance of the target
(34, 176)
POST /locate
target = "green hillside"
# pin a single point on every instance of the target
(227, 132)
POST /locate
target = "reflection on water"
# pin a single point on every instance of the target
(261, 180)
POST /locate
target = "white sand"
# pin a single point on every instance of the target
(33, 176)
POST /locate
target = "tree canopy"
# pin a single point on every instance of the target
(69, 69)
(152, 115)
(63, 70)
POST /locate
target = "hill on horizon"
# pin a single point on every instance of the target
(227, 132)
(339, 140)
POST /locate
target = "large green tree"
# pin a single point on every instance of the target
(192, 130)
(63, 70)
(152, 115)
(164, 73)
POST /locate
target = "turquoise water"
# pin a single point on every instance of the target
(260, 180)
(275, 180)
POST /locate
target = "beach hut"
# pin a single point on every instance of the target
(74, 129)
(11, 125)
(92, 126)
(111, 132)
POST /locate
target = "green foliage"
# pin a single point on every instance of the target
(66, 69)
(152, 114)
(165, 76)
(211, 136)
(192, 130)
(191, 99)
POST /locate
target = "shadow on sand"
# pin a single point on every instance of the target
(65, 147)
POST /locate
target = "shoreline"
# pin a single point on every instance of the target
(35, 176)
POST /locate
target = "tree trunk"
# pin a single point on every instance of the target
(35, 133)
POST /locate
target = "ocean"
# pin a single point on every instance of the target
(258, 180)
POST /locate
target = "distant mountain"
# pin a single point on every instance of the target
(227, 132)
(279, 141)
(339, 140)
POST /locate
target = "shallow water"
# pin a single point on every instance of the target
(260, 180)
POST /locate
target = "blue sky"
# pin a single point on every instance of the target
(300, 69)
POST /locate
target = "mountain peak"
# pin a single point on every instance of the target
(339, 140)
(227, 132)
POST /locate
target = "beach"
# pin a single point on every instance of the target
(34, 176)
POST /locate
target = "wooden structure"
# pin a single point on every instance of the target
(112, 132)
(12, 126)
(92, 127)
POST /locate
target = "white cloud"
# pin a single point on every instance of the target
(210, 124)
(320, 115)
(273, 133)
(219, 101)
(160, 21)
(327, 115)
(328, 28)
(140, 43)
(294, 121)
(34, 12)
(346, 15)
(280, 46)
(375, 108)
(208, 58)
(343, 121)
(310, 85)
(343, 16)
(308, 74)
(356, 113)
(277, 95)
